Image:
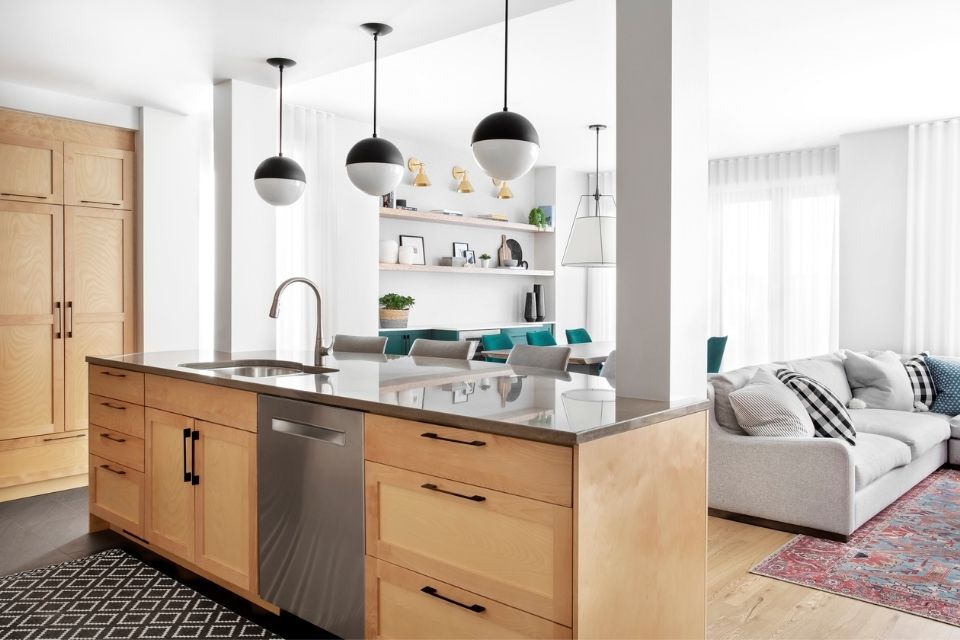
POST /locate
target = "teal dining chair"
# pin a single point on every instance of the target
(578, 336)
(496, 342)
(541, 339)
(715, 348)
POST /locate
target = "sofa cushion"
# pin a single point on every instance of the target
(826, 369)
(830, 418)
(946, 377)
(875, 455)
(919, 431)
(921, 380)
(955, 427)
(880, 382)
(726, 383)
(765, 407)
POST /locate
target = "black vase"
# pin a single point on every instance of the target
(528, 308)
(538, 294)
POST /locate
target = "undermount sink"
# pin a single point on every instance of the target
(259, 368)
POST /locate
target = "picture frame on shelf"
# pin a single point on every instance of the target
(471, 256)
(387, 200)
(459, 248)
(416, 242)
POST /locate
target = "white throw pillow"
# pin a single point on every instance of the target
(765, 407)
(828, 371)
(880, 382)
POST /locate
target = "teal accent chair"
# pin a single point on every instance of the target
(715, 348)
(578, 336)
(541, 339)
(496, 342)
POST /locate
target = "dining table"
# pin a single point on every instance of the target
(584, 354)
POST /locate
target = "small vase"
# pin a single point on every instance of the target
(406, 254)
(538, 294)
(389, 251)
(528, 308)
(485, 263)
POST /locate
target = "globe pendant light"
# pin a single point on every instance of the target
(593, 237)
(375, 165)
(505, 144)
(280, 180)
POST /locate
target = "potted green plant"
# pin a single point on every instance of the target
(395, 310)
(538, 218)
(485, 260)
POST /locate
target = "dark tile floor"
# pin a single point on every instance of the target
(50, 529)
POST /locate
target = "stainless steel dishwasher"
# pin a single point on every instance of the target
(311, 512)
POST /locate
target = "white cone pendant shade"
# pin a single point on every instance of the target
(279, 180)
(375, 165)
(593, 237)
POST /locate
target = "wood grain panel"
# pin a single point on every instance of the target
(116, 494)
(98, 177)
(396, 607)
(97, 244)
(221, 405)
(117, 415)
(169, 514)
(56, 458)
(226, 504)
(29, 244)
(511, 549)
(521, 467)
(47, 128)
(41, 487)
(118, 447)
(118, 384)
(641, 517)
(31, 170)
(88, 339)
(28, 401)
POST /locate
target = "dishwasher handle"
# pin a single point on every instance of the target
(311, 431)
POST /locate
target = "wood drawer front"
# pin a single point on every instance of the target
(118, 384)
(221, 405)
(118, 415)
(43, 458)
(117, 447)
(511, 549)
(116, 494)
(397, 607)
(521, 467)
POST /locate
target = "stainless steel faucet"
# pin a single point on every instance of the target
(318, 350)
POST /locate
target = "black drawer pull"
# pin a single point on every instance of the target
(476, 608)
(433, 487)
(23, 195)
(434, 436)
(113, 406)
(79, 435)
(111, 373)
(112, 438)
(115, 204)
(187, 476)
(119, 473)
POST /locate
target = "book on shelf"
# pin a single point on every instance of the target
(499, 217)
(448, 212)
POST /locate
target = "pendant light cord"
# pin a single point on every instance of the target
(375, 36)
(596, 191)
(506, 44)
(281, 111)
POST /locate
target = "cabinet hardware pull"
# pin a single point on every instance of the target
(70, 319)
(111, 373)
(23, 195)
(187, 476)
(119, 473)
(59, 318)
(434, 436)
(116, 204)
(433, 487)
(476, 608)
(79, 435)
(112, 438)
(195, 479)
(113, 406)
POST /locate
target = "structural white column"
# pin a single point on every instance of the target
(662, 198)
(244, 134)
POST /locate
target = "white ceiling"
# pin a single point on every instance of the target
(783, 74)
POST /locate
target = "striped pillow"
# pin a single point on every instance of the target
(924, 390)
(830, 417)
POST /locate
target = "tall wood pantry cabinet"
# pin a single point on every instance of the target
(66, 288)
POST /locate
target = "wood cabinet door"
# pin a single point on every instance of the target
(226, 504)
(116, 494)
(98, 292)
(168, 462)
(31, 332)
(31, 170)
(98, 177)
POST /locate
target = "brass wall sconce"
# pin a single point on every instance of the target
(421, 179)
(460, 175)
(504, 192)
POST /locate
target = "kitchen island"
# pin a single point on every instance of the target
(495, 501)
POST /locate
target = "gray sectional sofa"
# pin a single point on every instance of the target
(820, 486)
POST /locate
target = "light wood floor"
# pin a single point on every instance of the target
(742, 605)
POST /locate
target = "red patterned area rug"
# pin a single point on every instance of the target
(906, 558)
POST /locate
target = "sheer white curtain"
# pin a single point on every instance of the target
(932, 304)
(602, 281)
(307, 229)
(774, 235)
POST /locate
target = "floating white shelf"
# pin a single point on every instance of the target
(467, 221)
(479, 271)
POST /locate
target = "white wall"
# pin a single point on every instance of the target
(873, 207)
(62, 105)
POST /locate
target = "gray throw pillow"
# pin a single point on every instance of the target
(880, 382)
(765, 407)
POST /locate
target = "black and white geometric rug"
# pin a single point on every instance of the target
(111, 595)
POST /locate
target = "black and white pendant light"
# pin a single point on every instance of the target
(593, 237)
(505, 144)
(375, 165)
(280, 180)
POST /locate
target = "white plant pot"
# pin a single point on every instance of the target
(485, 263)
(389, 250)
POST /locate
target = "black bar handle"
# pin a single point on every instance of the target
(476, 608)
(113, 406)
(23, 195)
(187, 476)
(70, 318)
(193, 457)
(119, 473)
(59, 319)
(433, 487)
(112, 438)
(111, 373)
(115, 204)
(79, 435)
(434, 436)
